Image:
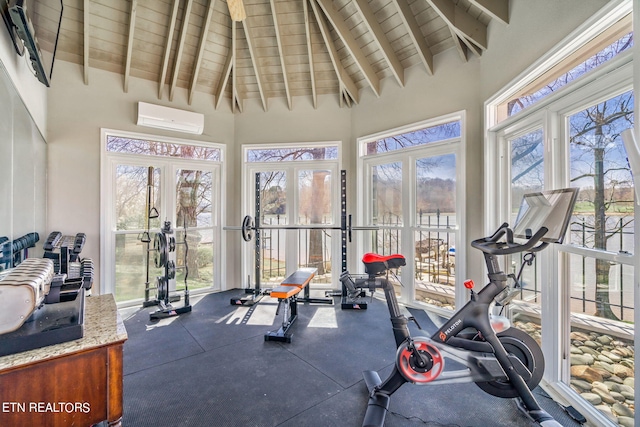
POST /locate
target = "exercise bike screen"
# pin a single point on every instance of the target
(551, 209)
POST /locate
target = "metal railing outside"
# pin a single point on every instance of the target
(434, 257)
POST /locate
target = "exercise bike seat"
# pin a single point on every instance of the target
(375, 264)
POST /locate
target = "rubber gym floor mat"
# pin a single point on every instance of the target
(246, 383)
(212, 367)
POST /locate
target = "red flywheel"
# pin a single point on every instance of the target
(406, 361)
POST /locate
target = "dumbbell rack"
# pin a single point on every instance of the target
(163, 245)
(71, 273)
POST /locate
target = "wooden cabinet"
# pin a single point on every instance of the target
(78, 383)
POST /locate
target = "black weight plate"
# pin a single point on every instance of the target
(171, 269)
(160, 250)
(247, 228)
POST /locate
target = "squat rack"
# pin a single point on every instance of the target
(251, 228)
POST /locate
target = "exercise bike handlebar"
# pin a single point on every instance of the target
(495, 246)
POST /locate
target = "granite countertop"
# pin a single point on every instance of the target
(102, 325)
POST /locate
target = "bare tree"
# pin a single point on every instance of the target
(595, 132)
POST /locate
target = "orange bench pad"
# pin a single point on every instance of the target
(294, 283)
(284, 291)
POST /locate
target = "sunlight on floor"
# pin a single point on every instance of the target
(325, 317)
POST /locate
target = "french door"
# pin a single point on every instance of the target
(299, 194)
(414, 198)
(186, 193)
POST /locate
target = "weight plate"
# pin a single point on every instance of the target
(247, 228)
(160, 250)
(163, 288)
(171, 269)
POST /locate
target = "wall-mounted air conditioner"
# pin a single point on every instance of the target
(157, 116)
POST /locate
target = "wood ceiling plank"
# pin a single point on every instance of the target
(132, 26)
(167, 50)
(287, 43)
(203, 42)
(180, 49)
(380, 38)
(415, 33)
(350, 43)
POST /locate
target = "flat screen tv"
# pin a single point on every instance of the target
(18, 21)
(15, 38)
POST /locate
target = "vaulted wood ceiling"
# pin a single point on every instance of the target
(283, 49)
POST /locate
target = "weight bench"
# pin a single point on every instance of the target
(287, 294)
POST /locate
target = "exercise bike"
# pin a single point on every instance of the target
(503, 361)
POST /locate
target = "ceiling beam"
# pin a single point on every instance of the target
(281, 53)
(459, 45)
(86, 29)
(236, 98)
(410, 23)
(226, 72)
(307, 30)
(463, 24)
(254, 62)
(347, 99)
(344, 79)
(374, 28)
(337, 22)
(132, 25)
(178, 58)
(167, 48)
(497, 9)
(468, 43)
(203, 41)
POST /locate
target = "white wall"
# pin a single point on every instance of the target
(77, 112)
(534, 28)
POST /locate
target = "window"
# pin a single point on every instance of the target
(411, 194)
(118, 144)
(298, 185)
(182, 182)
(555, 138)
(583, 51)
(424, 135)
(291, 154)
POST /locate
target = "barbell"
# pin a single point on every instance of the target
(249, 226)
